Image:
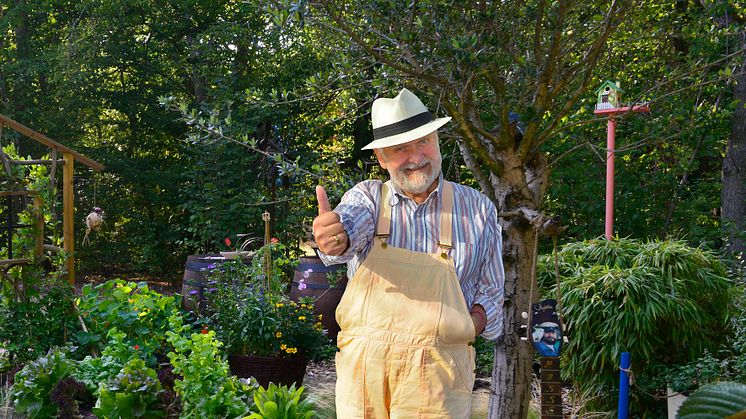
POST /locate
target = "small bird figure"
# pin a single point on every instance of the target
(93, 222)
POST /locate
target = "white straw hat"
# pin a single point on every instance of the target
(401, 120)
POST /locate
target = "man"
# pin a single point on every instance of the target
(426, 276)
(546, 340)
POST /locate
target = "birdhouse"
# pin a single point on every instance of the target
(609, 95)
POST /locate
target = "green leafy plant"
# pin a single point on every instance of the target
(643, 297)
(34, 383)
(252, 314)
(132, 308)
(133, 393)
(36, 315)
(281, 402)
(94, 370)
(717, 400)
(206, 388)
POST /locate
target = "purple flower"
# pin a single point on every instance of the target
(211, 266)
(212, 289)
(307, 273)
(302, 284)
(193, 292)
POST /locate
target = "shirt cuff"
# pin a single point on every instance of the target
(494, 327)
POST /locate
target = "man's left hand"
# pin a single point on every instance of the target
(479, 317)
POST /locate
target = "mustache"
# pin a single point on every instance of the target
(415, 166)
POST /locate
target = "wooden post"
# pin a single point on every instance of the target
(39, 214)
(68, 215)
(267, 254)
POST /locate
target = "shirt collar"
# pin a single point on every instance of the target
(398, 196)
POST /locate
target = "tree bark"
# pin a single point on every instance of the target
(511, 373)
(518, 201)
(733, 195)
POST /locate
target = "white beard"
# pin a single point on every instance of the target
(416, 183)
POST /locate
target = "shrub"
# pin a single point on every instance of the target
(714, 401)
(133, 393)
(206, 388)
(34, 383)
(253, 315)
(92, 371)
(36, 316)
(281, 403)
(663, 301)
(141, 314)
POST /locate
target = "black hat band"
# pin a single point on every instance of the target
(402, 126)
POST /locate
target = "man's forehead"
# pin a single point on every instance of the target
(432, 135)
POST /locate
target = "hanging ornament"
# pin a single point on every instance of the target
(93, 222)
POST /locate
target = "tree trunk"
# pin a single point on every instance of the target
(734, 169)
(18, 94)
(511, 373)
(517, 195)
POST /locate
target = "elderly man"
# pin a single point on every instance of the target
(426, 276)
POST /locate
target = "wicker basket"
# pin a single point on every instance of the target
(266, 369)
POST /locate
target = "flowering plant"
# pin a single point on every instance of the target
(251, 313)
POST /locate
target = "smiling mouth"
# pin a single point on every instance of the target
(417, 169)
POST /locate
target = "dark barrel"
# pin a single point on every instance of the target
(195, 279)
(317, 286)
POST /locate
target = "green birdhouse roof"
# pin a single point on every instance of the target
(611, 84)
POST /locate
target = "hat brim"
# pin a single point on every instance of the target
(408, 136)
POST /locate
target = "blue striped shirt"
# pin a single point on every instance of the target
(477, 239)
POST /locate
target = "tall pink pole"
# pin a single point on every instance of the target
(611, 127)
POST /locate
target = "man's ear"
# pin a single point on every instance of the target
(379, 156)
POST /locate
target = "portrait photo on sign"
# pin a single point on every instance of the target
(546, 330)
(547, 338)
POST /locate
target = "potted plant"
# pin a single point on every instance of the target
(266, 334)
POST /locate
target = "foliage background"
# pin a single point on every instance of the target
(138, 85)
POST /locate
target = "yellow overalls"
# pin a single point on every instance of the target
(404, 345)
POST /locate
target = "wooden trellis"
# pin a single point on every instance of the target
(69, 157)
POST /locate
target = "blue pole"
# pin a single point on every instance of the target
(624, 386)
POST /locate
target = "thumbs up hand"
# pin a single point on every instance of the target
(328, 231)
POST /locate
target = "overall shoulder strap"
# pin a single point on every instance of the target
(383, 226)
(446, 217)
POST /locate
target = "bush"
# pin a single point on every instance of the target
(34, 384)
(663, 301)
(206, 388)
(714, 401)
(133, 309)
(133, 393)
(36, 316)
(281, 402)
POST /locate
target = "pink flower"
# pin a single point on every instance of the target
(228, 241)
(274, 240)
(302, 284)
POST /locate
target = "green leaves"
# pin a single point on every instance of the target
(714, 401)
(133, 393)
(281, 402)
(206, 389)
(132, 308)
(643, 297)
(36, 380)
